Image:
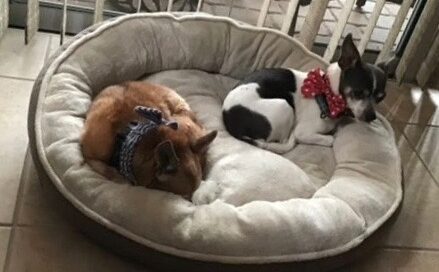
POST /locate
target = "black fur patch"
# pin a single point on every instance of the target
(360, 79)
(381, 79)
(245, 124)
(274, 83)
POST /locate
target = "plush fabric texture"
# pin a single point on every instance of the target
(254, 206)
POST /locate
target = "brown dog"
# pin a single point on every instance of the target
(165, 159)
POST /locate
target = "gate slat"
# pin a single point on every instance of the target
(200, 5)
(231, 3)
(99, 11)
(292, 6)
(394, 30)
(139, 5)
(263, 13)
(64, 23)
(312, 23)
(4, 17)
(32, 20)
(170, 4)
(379, 5)
(338, 31)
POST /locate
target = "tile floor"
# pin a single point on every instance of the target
(33, 237)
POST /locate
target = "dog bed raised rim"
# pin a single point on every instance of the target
(337, 196)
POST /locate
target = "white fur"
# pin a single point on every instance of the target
(277, 111)
(357, 106)
(334, 73)
(308, 127)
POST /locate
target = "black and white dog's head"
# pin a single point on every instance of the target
(361, 84)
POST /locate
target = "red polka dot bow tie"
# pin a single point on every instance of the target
(316, 85)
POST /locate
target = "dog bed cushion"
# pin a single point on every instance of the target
(254, 206)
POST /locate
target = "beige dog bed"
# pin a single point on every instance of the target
(255, 207)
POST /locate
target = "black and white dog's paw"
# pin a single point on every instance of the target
(315, 139)
(249, 140)
(208, 192)
(260, 143)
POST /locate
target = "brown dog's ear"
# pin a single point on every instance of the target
(201, 144)
(349, 54)
(166, 158)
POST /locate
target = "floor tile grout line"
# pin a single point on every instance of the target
(5, 225)
(46, 57)
(392, 109)
(392, 119)
(416, 124)
(419, 157)
(400, 98)
(429, 249)
(17, 208)
(17, 78)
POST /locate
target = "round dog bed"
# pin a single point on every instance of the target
(255, 207)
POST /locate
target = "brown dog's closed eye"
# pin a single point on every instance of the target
(166, 158)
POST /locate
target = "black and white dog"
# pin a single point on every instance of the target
(274, 108)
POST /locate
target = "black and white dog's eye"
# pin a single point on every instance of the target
(359, 94)
(379, 96)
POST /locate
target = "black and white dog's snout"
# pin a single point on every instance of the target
(370, 116)
(363, 111)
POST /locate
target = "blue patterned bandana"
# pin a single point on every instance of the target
(126, 144)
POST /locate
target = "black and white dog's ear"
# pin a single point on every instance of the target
(349, 54)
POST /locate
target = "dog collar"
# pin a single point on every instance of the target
(126, 142)
(316, 85)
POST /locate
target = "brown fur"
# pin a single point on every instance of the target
(113, 109)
